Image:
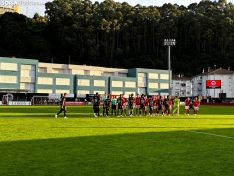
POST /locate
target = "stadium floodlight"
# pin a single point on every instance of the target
(169, 43)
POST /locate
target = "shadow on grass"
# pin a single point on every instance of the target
(143, 154)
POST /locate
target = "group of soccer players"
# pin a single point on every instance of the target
(149, 106)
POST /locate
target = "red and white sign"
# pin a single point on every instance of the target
(213, 84)
(69, 103)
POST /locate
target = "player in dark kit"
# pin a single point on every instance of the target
(150, 106)
(142, 104)
(119, 103)
(107, 105)
(96, 103)
(167, 105)
(130, 104)
(160, 103)
(191, 101)
(62, 106)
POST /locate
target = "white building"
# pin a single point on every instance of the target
(225, 75)
(181, 86)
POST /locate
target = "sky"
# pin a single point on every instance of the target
(30, 7)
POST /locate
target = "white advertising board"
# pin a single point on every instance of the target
(20, 103)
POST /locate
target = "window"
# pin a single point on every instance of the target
(164, 76)
(117, 83)
(56, 70)
(24, 73)
(45, 80)
(62, 91)
(8, 79)
(83, 82)
(101, 83)
(130, 84)
(83, 92)
(153, 75)
(77, 72)
(116, 92)
(108, 74)
(42, 69)
(122, 74)
(95, 73)
(8, 66)
(62, 81)
(153, 85)
(99, 91)
(44, 91)
(164, 85)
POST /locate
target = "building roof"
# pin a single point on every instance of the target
(176, 77)
(219, 71)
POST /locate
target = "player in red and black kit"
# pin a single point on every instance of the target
(142, 104)
(186, 107)
(138, 102)
(155, 104)
(170, 105)
(196, 104)
(123, 105)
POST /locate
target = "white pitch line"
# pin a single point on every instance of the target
(191, 131)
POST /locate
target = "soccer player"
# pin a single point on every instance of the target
(107, 105)
(166, 105)
(155, 104)
(113, 106)
(96, 104)
(103, 99)
(170, 105)
(151, 102)
(62, 106)
(119, 104)
(176, 106)
(196, 104)
(186, 103)
(123, 104)
(191, 105)
(160, 105)
(146, 105)
(142, 104)
(130, 104)
(138, 102)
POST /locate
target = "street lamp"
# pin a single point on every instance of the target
(214, 79)
(169, 43)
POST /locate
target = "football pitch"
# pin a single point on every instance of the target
(34, 143)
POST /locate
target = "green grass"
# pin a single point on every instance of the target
(34, 143)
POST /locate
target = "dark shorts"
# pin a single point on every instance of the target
(113, 107)
(167, 108)
(130, 106)
(142, 106)
(191, 107)
(96, 107)
(120, 107)
(159, 107)
(107, 108)
(151, 107)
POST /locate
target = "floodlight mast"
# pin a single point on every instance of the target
(169, 43)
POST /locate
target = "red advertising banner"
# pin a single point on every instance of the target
(213, 84)
(69, 103)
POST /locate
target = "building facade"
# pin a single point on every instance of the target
(13, 9)
(225, 75)
(181, 86)
(38, 77)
